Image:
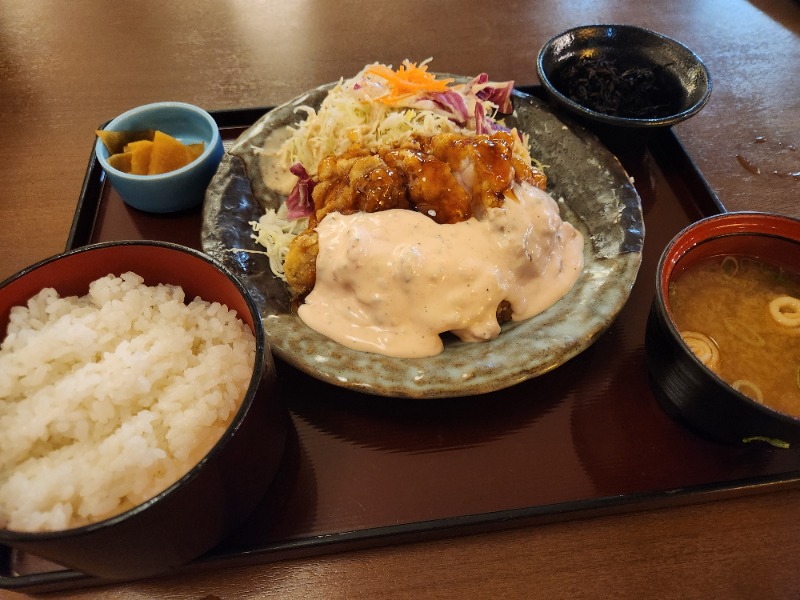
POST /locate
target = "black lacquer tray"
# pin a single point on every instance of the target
(586, 439)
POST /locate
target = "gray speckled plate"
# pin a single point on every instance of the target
(595, 195)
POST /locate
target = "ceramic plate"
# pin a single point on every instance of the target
(595, 195)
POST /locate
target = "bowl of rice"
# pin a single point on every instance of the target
(139, 421)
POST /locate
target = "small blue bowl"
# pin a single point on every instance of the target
(177, 190)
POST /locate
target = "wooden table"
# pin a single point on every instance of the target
(67, 67)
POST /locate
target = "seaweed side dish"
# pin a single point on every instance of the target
(630, 91)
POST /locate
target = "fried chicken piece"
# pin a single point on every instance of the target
(357, 181)
(486, 164)
(504, 312)
(448, 177)
(300, 266)
(483, 165)
(433, 189)
(452, 177)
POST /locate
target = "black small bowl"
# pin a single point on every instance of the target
(688, 390)
(225, 486)
(622, 76)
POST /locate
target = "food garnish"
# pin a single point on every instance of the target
(749, 389)
(703, 347)
(406, 82)
(771, 441)
(147, 152)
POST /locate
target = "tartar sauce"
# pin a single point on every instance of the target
(390, 282)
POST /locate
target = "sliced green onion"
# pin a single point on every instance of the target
(730, 266)
(703, 347)
(744, 332)
(749, 389)
(771, 441)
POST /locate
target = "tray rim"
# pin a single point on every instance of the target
(420, 531)
(666, 147)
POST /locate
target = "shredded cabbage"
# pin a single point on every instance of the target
(275, 231)
(352, 113)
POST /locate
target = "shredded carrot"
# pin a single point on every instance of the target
(408, 80)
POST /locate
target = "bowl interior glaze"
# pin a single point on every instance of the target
(156, 262)
(772, 238)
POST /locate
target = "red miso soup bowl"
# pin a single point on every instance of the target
(688, 389)
(220, 488)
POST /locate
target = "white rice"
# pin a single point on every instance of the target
(109, 398)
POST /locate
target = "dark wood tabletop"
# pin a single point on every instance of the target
(66, 68)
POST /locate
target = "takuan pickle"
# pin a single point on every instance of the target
(147, 152)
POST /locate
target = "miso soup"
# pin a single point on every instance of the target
(741, 317)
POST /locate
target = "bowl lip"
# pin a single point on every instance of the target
(738, 223)
(630, 122)
(100, 150)
(259, 368)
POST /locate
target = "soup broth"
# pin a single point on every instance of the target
(741, 317)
